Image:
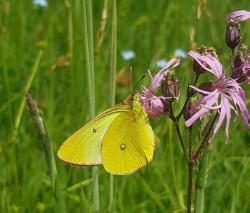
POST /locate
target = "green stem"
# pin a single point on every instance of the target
(176, 124)
(89, 59)
(201, 176)
(189, 95)
(173, 166)
(89, 55)
(43, 135)
(95, 188)
(26, 89)
(113, 56)
(8, 93)
(111, 192)
(201, 182)
(204, 143)
(190, 172)
(91, 49)
(113, 87)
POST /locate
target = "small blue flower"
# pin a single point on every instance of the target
(180, 53)
(128, 55)
(161, 63)
(40, 3)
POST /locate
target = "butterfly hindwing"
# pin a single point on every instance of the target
(127, 145)
(84, 146)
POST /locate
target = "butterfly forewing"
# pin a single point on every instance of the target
(84, 146)
(127, 145)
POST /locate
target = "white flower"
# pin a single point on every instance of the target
(128, 55)
(180, 53)
(40, 3)
(161, 63)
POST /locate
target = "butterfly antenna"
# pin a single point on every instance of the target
(133, 91)
(130, 80)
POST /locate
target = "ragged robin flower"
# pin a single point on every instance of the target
(224, 95)
(152, 103)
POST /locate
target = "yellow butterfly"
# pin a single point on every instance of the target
(120, 138)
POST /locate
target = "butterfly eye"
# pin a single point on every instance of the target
(122, 146)
(94, 130)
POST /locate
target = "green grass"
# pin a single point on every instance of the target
(153, 29)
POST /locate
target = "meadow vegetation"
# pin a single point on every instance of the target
(42, 51)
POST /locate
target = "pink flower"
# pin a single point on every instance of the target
(241, 66)
(239, 16)
(225, 96)
(156, 81)
(208, 62)
(151, 102)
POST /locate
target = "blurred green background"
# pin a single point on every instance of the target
(153, 30)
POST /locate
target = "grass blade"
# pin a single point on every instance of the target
(113, 86)
(26, 89)
(89, 54)
(43, 135)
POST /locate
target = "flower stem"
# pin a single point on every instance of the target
(190, 172)
(201, 182)
(206, 138)
(202, 168)
(172, 165)
(189, 95)
(176, 124)
(89, 54)
(113, 87)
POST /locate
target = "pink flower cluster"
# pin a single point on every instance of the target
(152, 103)
(224, 95)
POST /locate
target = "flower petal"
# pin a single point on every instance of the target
(239, 16)
(200, 90)
(211, 100)
(243, 108)
(208, 62)
(155, 83)
(228, 116)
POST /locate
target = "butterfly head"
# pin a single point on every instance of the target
(137, 107)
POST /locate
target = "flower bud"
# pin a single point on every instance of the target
(192, 107)
(170, 87)
(208, 86)
(197, 68)
(232, 34)
(188, 111)
(203, 50)
(238, 64)
(238, 61)
(241, 64)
